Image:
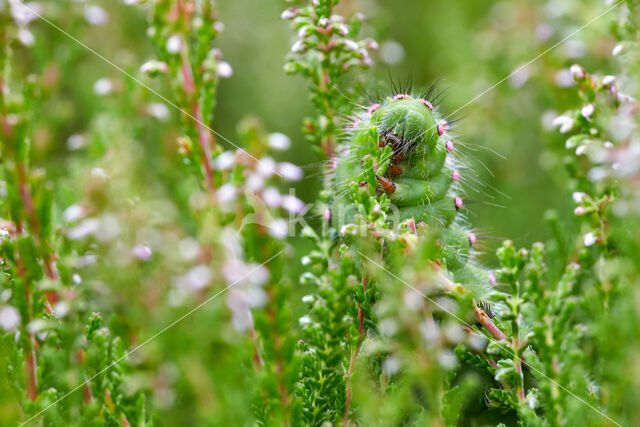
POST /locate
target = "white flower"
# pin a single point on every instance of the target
(75, 142)
(9, 318)
(447, 359)
(218, 26)
(617, 49)
(323, 22)
(372, 44)
(343, 30)
(174, 44)
(297, 47)
(109, 227)
(142, 252)
(391, 366)
(350, 44)
(429, 330)
(236, 271)
(292, 204)
(624, 98)
(26, 37)
(73, 213)
(477, 342)
(589, 239)
(303, 32)
(304, 320)
(290, 171)
(412, 299)
(103, 87)
(61, 309)
(24, 13)
(255, 182)
(544, 32)
(308, 299)
(279, 141)
(289, 14)
(85, 228)
(36, 325)
(196, 278)
(271, 197)
(266, 167)
(348, 230)
(564, 122)
(237, 302)
(188, 249)
(578, 196)
(225, 160)
(224, 70)
(154, 66)
(532, 400)
(580, 210)
(158, 110)
(519, 76)
(95, 15)
(256, 297)
(279, 228)
(587, 110)
(453, 332)
(608, 80)
(226, 193)
(392, 52)
(564, 78)
(578, 72)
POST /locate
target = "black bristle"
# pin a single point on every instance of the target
(487, 307)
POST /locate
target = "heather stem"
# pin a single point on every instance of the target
(485, 321)
(354, 354)
(204, 139)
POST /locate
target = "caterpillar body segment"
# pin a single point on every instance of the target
(404, 148)
(411, 192)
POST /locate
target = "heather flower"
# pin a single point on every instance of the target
(9, 318)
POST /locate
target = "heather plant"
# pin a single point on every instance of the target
(166, 261)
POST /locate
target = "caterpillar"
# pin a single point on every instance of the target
(418, 170)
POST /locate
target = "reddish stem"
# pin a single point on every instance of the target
(485, 321)
(203, 134)
(257, 358)
(30, 370)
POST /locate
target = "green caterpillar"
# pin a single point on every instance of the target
(418, 172)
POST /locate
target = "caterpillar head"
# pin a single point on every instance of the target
(406, 123)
